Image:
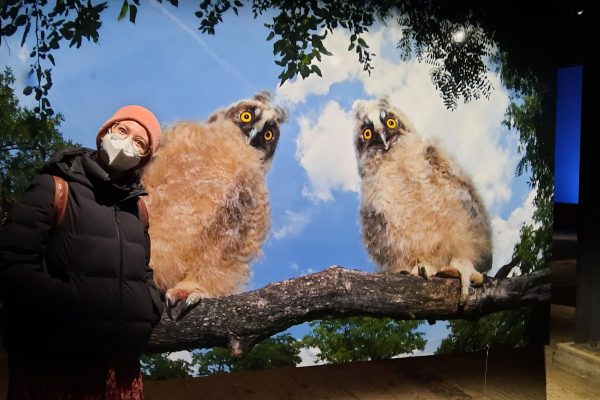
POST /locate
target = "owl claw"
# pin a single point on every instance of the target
(464, 292)
(169, 305)
(176, 308)
(448, 272)
(469, 276)
(180, 310)
(423, 270)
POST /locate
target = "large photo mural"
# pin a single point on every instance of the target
(258, 181)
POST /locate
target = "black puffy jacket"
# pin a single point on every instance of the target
(83, 288)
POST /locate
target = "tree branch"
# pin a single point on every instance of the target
(240, 321)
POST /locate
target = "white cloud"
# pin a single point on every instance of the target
(180, 355)
(301, 271)
(325, 150)
(506, 232)
(339, 67)
(23, 54)
(293, 226)
(309, 357)
(414, 353)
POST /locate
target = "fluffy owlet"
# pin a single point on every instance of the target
(419, 212)
(208, 202)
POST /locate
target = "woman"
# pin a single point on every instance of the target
(79, 299)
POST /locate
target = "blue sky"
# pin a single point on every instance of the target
(167, 65)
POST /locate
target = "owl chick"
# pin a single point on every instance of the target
(420, 213)
(208, 201)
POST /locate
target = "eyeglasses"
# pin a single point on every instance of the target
(139, 142)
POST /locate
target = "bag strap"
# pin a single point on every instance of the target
(143, 213)
(61, 194)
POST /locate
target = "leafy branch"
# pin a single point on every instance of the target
(298, 30)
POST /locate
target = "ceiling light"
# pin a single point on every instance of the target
(459, 36)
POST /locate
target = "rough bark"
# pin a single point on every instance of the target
(240, 321)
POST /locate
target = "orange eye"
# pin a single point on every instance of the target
(268, 136)
(246, 116)
(391, 123)
(367, 134)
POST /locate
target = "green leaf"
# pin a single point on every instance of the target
(25, 33)
(21, 20)
(124, 9)
(27, 91)
(316, 70)
(287, 74)
(278, 46)
(132, 13)
(271, 36)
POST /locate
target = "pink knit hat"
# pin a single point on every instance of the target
(139, 114)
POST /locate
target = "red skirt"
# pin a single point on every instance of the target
(31, 379)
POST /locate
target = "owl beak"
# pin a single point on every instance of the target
(252, 134)
(383, 137)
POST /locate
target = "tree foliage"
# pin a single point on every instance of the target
(501, 330)
(448, 35)
(69, 21)
(363, 338)
(278, 351)
(160, 367)
(525, 115)
(520, 327)
(27, 141)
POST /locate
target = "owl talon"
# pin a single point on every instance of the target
(423, 270)
(464, 296)
(171, 301)
(449, 272)
(180, 310)
(476, 279)
(468, 276)
(176, 307)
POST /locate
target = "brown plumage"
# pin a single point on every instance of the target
(419, 212)
(208, 202)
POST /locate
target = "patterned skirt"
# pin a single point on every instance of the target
(31, 379)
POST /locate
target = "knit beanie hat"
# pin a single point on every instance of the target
(139, 114)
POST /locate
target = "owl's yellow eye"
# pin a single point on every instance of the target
(268, 136)
(391, 123)
(367, 134)
(245, 116)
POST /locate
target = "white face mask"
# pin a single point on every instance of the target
(118, 152)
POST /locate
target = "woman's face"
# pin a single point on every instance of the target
(136, 132)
